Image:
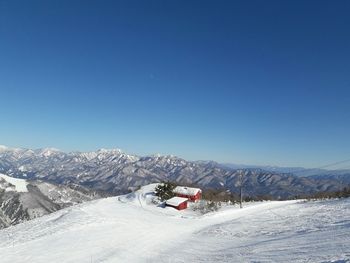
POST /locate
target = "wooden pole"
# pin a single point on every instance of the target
(240, 189)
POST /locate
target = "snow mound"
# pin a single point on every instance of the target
(144, 196)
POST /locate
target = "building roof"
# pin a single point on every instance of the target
(175, 201)
(183, 190)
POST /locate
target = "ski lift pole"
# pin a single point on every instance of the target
(240, 189)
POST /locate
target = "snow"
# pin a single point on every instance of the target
(22, 168)
(47, 152)
(183, 190)
(132, 228)
(175, 201)
(103, 150)
(19, 184)
(3, 148)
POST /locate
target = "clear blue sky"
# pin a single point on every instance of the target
(256, 82)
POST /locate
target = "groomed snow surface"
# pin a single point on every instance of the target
(133, 229)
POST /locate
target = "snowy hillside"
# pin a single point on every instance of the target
(131, 228)
(13, 184)
(22, 200)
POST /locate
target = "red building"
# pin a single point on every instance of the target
(176, 202)
(193, 194)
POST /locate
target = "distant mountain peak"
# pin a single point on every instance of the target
(47, 152)
(112, 151)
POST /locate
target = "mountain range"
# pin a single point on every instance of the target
(298, 171)
(116, 172)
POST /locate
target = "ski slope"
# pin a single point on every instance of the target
(131, 228)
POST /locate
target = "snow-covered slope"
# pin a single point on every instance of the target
(22, 200)
(132, 229)
(14, 184)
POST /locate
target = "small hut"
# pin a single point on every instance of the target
(192, 194)
(176, 202)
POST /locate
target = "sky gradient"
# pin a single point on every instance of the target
(254, 82)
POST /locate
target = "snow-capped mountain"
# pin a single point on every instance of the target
(118, 172)
(22, 200)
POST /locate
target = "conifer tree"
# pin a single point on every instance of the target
(165, 190)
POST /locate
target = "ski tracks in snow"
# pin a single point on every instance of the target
(129, 229)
